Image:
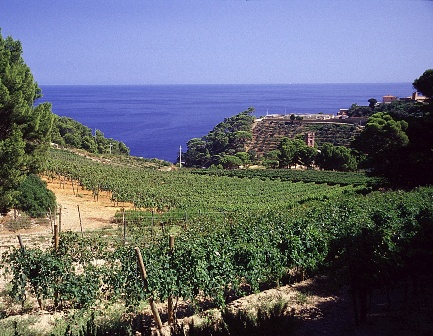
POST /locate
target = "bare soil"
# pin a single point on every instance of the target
(94, 213)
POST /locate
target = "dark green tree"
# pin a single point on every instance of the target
(408, 165)
(372, 103)
(295, 151)
(230, 162)
(359, 111)
(287, 150)
(384, 140)
(25, 129)
(227, 138)
(271, 159)
(70, 133)
(424, 83)
(337, 158)
(197, 154)
(244, 157)
(306, 155)
(299, 118)
(292, 118)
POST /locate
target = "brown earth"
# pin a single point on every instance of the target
(94, 213)
(78, 208)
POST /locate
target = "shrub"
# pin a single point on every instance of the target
(34, 197)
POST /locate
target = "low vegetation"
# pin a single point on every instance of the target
(207, 237)
(371, 241)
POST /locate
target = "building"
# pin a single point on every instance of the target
(416, 96)
(389, 99)
(309, 139)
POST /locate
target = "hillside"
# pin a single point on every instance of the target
(267, 132)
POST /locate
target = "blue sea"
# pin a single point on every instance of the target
(155, 120)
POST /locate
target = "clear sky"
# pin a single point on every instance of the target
(221, 41)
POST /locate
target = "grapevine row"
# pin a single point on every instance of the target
(374, 241)
(164, 191)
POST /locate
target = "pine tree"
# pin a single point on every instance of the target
(24, 128)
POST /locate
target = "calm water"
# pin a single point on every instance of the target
(154, 120)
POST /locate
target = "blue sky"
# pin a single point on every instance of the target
(221, 41)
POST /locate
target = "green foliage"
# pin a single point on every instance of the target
(337, 158)
(12, 157)
(244, 157)
(383, 140)
(34, 198)
(25, 128)
(371, 241)
(372, 103)
(198, 154)
(328, 177)
(230, 161)
(424, 83)
(360, 111)
(182, 190)
(271, 159)
(70, 133)
(295, 152)
(397, 140)
(287, 149)
(226, 139)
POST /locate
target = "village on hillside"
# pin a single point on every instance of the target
(316, 128)
(342, 114)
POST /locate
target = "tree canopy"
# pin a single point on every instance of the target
(337, 158)
(70, 133)
(221, 145)
(383, 141)
(424, 83)
(398, 141)
(294, 152)
(25, 128)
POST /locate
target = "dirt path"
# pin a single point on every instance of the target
(75, 205)
(95, 214)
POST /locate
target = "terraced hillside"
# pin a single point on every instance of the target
(267, 132)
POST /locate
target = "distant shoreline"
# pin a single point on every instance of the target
(269, 84)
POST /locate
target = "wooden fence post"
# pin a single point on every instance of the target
(21, 243)
(56, 237)
(170, 309)
(81, 224)
(144, 278)
(124, 225)
(51, 221)
(60, 219)
(152, 223)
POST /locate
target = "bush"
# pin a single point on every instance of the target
(34, 197)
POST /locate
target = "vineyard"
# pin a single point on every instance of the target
(225, 237)
(151, 189)
(268, 132)
(293, 175)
